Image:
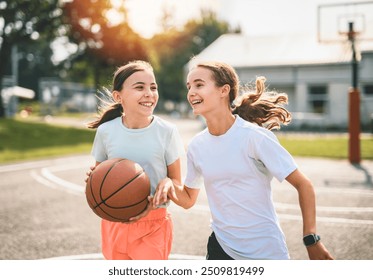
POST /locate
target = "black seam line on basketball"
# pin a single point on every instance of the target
(103, 201)
(90, 188)
(121, 188)
(103, 180)
(124, 207)
(120, 220)
(91, 179)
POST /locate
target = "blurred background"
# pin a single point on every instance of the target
(55, 55)
(63, 51)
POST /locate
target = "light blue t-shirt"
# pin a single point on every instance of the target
(153, 147)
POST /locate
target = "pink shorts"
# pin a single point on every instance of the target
(148, 239)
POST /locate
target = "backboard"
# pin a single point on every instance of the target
(334, 21)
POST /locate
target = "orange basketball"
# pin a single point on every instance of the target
(118, 189)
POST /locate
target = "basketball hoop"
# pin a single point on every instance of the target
(333, 21)
(339, 23)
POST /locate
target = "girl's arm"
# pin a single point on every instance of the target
(174, 174)
(88, 173)
(307, 202)
(171, 187)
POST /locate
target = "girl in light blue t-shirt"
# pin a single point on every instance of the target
(128, 129)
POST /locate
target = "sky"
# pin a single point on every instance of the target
(256, 17)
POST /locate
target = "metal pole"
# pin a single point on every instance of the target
(15, 62)
(354, 104)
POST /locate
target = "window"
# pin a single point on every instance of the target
(318, 99)
(368, 90)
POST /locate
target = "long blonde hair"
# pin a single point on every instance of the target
(110, 109)
(255, 104)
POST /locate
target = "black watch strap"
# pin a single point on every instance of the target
(311, 239)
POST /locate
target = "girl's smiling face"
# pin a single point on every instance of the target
(139, 94)
(203, 94)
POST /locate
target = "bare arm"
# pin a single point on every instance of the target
(88, 173)
(174, 172)
(307, 202)
(172, 188)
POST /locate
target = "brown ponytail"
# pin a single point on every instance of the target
(258, 106)
(263, 108)
(109, 109)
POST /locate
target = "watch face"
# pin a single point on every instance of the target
(309, 240)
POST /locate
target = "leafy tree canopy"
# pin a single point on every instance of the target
(22, 22)
(103, 36)
(174, 48)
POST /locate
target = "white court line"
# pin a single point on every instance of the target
(288, 206)
(366, 192)
(64, 167)
(63, 183)
(46, 173)
(48, 179)
(42, 180)
(41, 163)
(99, 256)
(21, 166)
(75, 165)
(291, 217)
(54, 185)
(328, 220)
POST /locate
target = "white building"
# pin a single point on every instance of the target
(316, 77)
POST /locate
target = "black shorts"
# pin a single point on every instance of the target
(215, 251)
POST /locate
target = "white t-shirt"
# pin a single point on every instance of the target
(153, 147)
(236, 169)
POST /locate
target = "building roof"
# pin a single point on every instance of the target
(241, 50)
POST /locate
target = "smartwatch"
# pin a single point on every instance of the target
(311, 239)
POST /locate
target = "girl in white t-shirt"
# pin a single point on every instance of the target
(235, 158)
(128, 129)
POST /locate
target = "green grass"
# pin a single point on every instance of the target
(25, 140)
(28, 140)
(327, 147)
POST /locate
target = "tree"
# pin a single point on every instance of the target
(103, 36)
(34, 63)
(24, 21)
(206, 30)
(174, 48)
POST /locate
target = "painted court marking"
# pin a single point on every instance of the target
(48, 179)
(99, 256)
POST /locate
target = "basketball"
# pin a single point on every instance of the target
(118, 189)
